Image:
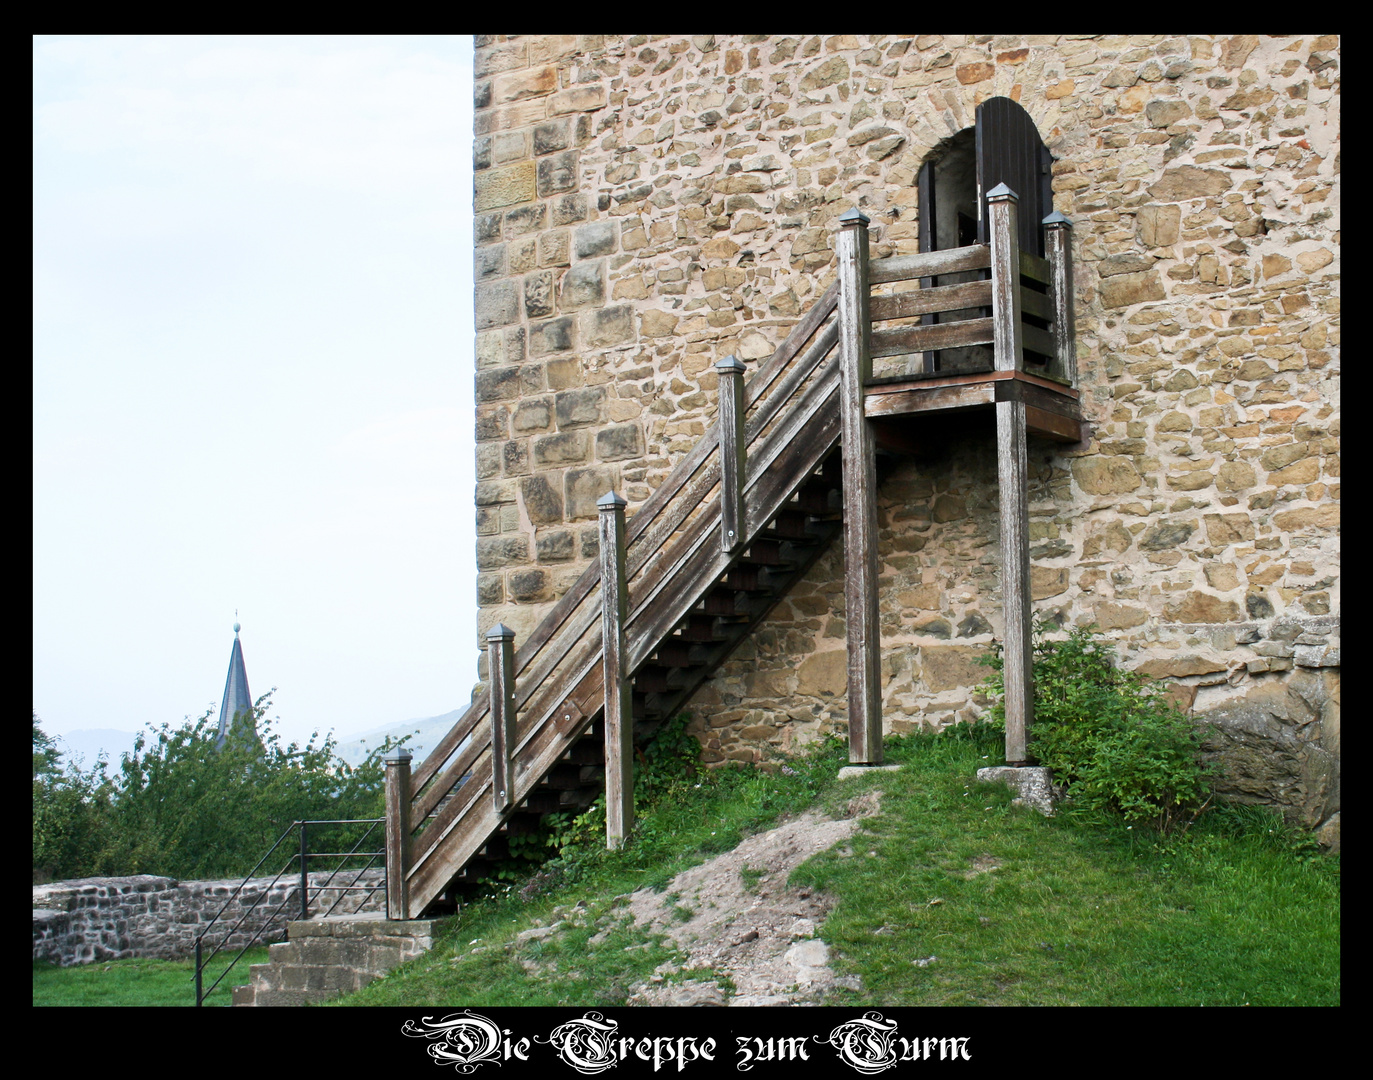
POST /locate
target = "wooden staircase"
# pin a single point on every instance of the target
(702, 562)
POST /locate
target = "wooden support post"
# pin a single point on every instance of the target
(860, 496)
(1015, 574)
(397, 834)
(619, 716)
(1058, 245)
(500, 654)
(731, 371)
(1011, 472)
(1001, 209)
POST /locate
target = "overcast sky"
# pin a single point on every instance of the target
(252, 378)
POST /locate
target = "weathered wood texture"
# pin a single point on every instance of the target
(860, 496)
(1035, 340)
(653, 522)
(619, 713)
(1052, 424)
(1015, 573)
(460, 829)
(913, 302)
(1011, 294)
(921, 398)
(1058, 243)
(920, 382)
(397, 834)
(675, 556)
(929, 264)
(500, 655)
(1038, 304)
(910, 339)
(732, 449)
(1051, 410)
(1006, 269)
(1031, 266)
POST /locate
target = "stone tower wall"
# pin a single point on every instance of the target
(648, 205)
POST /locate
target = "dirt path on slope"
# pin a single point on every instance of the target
(735, 915)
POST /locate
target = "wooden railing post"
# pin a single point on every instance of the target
(500, 653)
(397, 764)
(1011, 471)
(1058, 246)
(731, 453)
(860, 496)
(619, 717)
(1001, 209)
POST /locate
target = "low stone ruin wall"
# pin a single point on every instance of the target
(118, 918)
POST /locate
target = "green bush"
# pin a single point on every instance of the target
(69, 811)
(1112, 738)
(179, 807)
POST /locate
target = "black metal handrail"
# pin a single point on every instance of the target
(302, 855)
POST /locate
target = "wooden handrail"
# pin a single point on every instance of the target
(696, 562)
(658, 548)
(929, 264)
(532, 666)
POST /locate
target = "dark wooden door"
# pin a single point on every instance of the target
(1010, 152)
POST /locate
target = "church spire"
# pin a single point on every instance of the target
(237, 708)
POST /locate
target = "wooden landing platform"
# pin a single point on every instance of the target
(1051, 408)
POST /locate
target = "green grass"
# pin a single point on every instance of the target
(138, 982)
(967, 901)
(1019, 910)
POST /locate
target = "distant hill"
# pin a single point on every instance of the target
(84, 747)
(426, 735)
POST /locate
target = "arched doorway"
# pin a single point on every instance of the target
(1003, 147)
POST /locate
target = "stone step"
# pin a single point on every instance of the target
(325, 958)
(261, 974)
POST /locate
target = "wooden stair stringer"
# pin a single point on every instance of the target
(788, 455)
(767, 393)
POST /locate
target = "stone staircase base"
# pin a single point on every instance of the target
(324, 958)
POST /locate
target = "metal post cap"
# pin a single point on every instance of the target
(610, 501)
(730, 364)
(1001, 191)
(854, 217)
(500, 632)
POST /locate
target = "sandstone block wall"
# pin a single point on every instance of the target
(647, 205)
(119, 918)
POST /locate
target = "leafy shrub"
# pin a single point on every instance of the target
(68, 809)
(178, 806)
(1112, 738)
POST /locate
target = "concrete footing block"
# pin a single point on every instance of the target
(1033, 784)
(848, 772)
